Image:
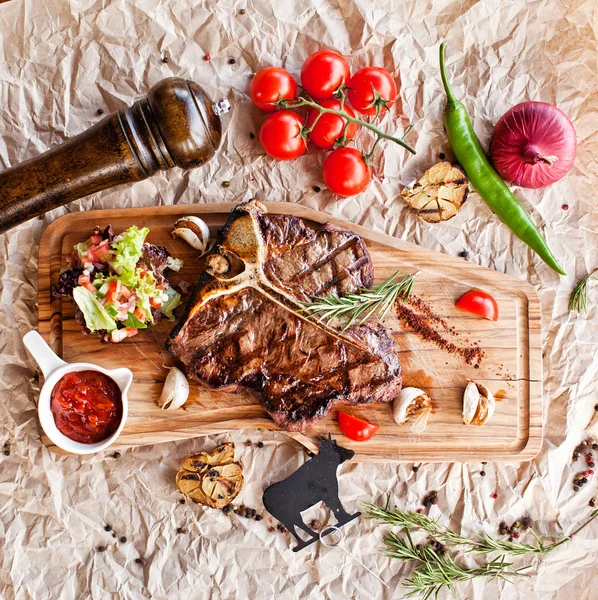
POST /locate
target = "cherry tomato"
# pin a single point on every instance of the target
(323, 73)
(355, 428)
(280, 135)
(345, 172)
(479, 303)
(330, 127)
(361, 90)
(270, 85)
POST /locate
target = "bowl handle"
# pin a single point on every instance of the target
(47, 360)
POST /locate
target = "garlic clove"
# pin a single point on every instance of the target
(194, 231)
(412, 401)
(175, 391)
(478, 404)
(471, 402)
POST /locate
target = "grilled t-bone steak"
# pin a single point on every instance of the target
(242, 329)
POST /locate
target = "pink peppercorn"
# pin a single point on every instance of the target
(420, 510)
(494, 496)
(516, 534)
(207, 57)
(565, 207)
(591, 471)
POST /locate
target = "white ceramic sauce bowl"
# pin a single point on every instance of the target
(53, 369)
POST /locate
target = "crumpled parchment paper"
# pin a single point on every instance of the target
(61, 61)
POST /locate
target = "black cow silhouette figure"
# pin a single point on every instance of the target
(311, 483)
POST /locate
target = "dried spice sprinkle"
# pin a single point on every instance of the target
(421, 322)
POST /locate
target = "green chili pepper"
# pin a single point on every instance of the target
(486, 181)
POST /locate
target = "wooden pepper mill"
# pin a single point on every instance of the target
(175, 125)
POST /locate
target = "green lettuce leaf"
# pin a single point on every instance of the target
(146, 288)
(128, 247)
(174, 299)
(96, 317)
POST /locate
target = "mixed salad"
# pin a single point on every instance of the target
(119, 283)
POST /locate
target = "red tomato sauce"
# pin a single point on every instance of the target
(87, 406)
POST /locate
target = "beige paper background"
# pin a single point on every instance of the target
(60, 61)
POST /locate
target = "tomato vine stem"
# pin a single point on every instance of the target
(283, 103)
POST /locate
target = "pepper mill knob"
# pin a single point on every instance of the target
(176, 124)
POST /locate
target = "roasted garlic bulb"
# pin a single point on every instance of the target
(211, 478)
(412, 402)
(439, 193)
(478, 404)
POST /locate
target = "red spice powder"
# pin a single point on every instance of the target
(421, 322)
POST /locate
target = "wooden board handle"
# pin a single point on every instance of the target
(175, 125)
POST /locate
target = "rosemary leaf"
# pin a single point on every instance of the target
(480, 544)
(360, 306)
(578, 301)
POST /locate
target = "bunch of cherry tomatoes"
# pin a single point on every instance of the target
(327, 82)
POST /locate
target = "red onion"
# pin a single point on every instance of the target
(533, 144)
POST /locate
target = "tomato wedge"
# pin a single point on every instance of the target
(479, 303)
(355, 428)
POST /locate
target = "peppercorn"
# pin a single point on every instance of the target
(225, 184)
(231, 61)
(116, 455)
(415, 469)
(207, 57)
(182, 501)
(141, 561)
(315, 525)
(575, 456)
(463, 254)
(7, 453)
(594, 446)
(165, 59)
(317, 189)
(516, 534)
(476, 366)
(226, 509)
(584, 480)
(483, 473)
(123, 540)
(441, 156)
(503, 528)
(260, 444)
(100, 111)
(592, 502)
(108, 528)
(252, 136)
(596, 407)
(258, 517)
(494, 496)
(576, 488)
(242, 11)
(101, 548)
(181, 530)
(484, 462)
(526, 523)
(434, 500)
(516, 525)
(420, 510)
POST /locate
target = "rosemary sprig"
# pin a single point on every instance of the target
(578, 301)
(480, 544)
(360, 306)
(435, 568)
(435, 571)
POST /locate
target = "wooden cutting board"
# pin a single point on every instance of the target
(512, 368)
